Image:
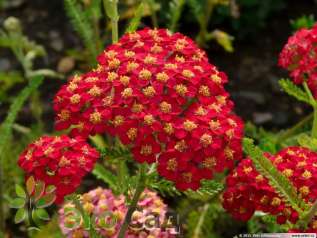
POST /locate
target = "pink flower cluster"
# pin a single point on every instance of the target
(299, 56)
(109, 211)
(60, 161)
(159, 94)
(247, 191)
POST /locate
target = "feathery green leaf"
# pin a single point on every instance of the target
(290, 88)
(135, 21)
(82, 25)
(276, 179)
(6, 127)
(105, 175)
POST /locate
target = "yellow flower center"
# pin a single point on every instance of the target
(132, 133)
(204, 90)
(95, 117)
(146, 150)
(75, 99)
(181, 89)
(162, 77)
(165, 107)
(206, 140)
(149, 91)
(127, 92)
(145, 74)
(171, 164)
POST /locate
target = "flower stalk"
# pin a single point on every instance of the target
(111, 9)
(137, 194)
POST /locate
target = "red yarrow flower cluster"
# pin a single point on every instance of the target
(60, 161)
(108, 212)
(299, 56)
(159, 94)
(248, 191)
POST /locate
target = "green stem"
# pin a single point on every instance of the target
(2, 221)
(314, 105)
(203, 22)
(314, 129)
(153, 13)
(201, 221)
(139, 189)
(114, 24)
(289, 132)
(111, 9)
(309, 216)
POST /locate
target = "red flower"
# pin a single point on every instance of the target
(248, 191)
(59, 161)
(157, 89)
(299, 57)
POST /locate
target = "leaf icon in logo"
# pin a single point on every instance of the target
(30, 185)
(46, 201)
(17, 203)
(40, 214)
(20, 215)
(20, 191)
(39, 190)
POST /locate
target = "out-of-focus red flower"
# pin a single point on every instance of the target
(299, 56)
(60, 161)
(159, 94)
(247, 191)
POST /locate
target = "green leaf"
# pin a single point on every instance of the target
(208, 189)
(40, 214)
(20, 215)
(20, 191)
(175, 11)
(277, 180)
(50, 189)
(6, 126)
(291, 89)
(111, 9)
(223, 39)
(303, 22)
(82, 26)
(102, 173)
(39, 190)
(17, 203)
(30, 185)
(135, 21)
(46, 201)
(307, 141)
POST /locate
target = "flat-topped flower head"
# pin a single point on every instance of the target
(109, 212)
(299, 56)
(159, 94)
(247, 191)
(60, 161)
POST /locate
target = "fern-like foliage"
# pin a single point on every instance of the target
(307, 141)
(208, 190)
(164, 187)
(115, 153)
(106, 176)
(135, 21)
(82, 26)
(6, 127)
(277, 180)
(175, 11)
(290, 88)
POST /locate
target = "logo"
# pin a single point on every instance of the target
(31, 202)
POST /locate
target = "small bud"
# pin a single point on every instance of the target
(12, 24)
